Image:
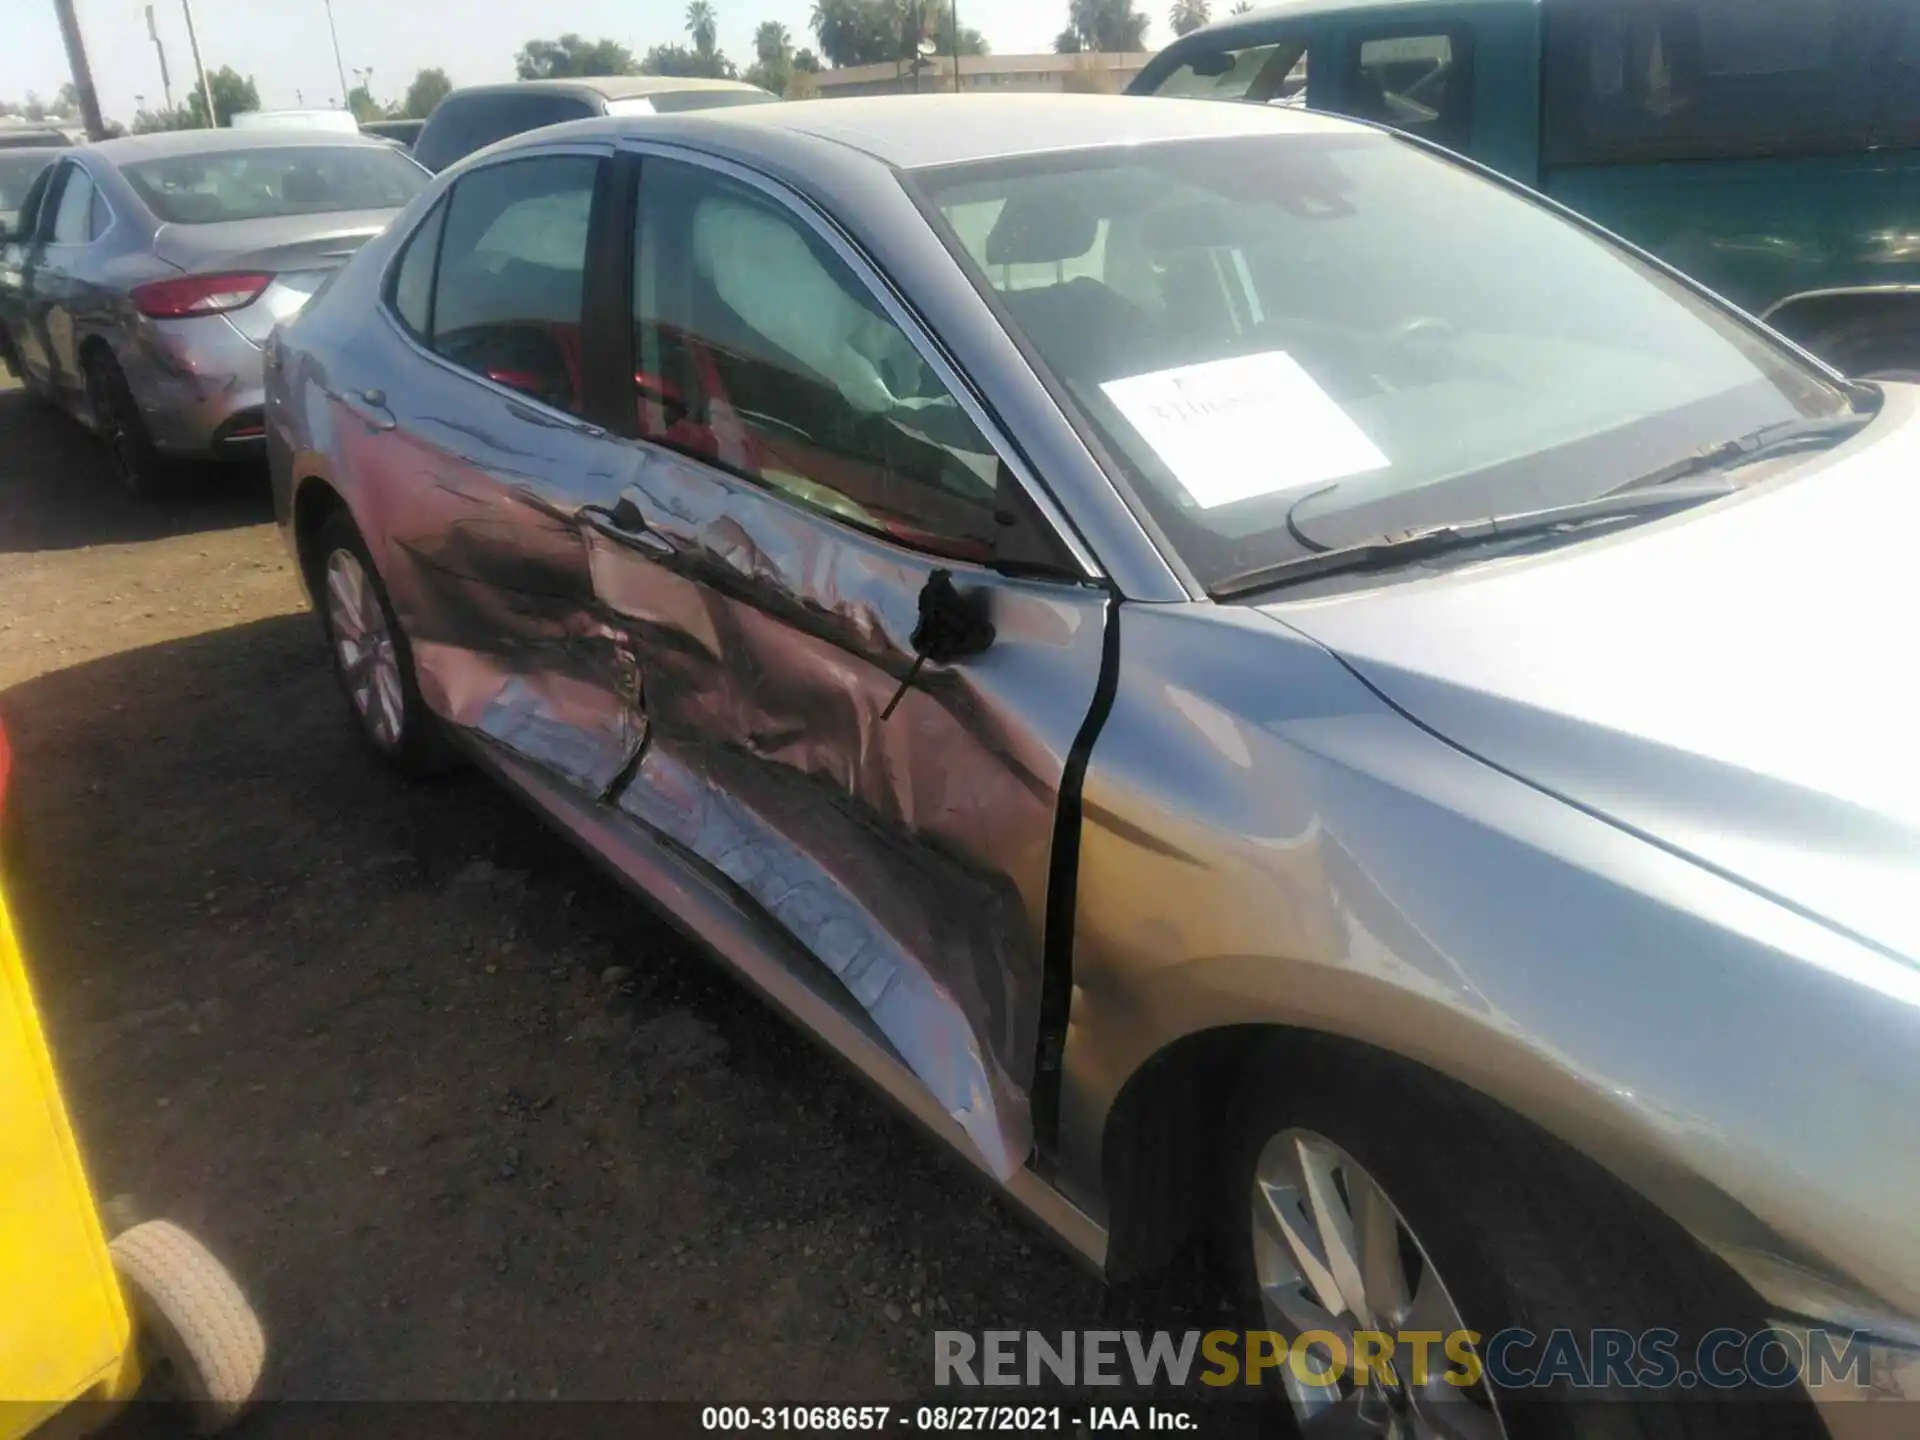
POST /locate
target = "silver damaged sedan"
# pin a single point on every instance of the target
(142, 275)
(1271, 688)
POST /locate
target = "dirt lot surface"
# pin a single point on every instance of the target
(468, 1121)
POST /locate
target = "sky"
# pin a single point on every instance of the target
(284, 44)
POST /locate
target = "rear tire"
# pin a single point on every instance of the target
(371, 657)
(1517, 1232)
(143, 470)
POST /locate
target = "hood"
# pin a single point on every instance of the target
(276, 244)
(1737, 683)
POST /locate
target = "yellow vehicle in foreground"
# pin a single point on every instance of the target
(82, 1320)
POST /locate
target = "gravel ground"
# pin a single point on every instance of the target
(467, 1121)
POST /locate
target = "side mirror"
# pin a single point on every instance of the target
(953, 626)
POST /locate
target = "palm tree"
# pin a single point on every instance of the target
(1110, 26)
(772, 44)
(1188, 16)
(701, 26)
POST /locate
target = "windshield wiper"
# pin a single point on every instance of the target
(1767, 443)
(1404, 549)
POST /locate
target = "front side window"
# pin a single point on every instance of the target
(1631, 80)
(1422, 84)
(1280, 347)
(1272, 73)
(267, 182)
(71, 222)
(512, 275)
(759, 350)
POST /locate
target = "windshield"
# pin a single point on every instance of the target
(1295, 342)
(256, 184)
(18, 171)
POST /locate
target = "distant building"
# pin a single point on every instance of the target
(989, 74)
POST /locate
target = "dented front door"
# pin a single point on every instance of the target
(802, 476)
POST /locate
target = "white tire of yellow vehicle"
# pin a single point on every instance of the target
(195, 1315)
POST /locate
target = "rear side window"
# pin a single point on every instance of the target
(71, 224)
(1629, 80)
(462, 124)
(412, 296)
(1420, 83)
(507, 300)
(1274, 73)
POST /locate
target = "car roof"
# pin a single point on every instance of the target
(32, 138)
(131, 149)
(913, 132)
(608, 87)
(1267, 15)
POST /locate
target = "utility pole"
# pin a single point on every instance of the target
(166, 80)
(338, 68)
(193, 43)
(956, 47)
(82, 72)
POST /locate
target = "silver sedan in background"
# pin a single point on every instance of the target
(142, 276)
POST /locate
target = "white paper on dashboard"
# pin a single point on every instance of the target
(1251, 425)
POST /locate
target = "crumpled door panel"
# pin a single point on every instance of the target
(910, 855)
(488, 572)
(871, 911)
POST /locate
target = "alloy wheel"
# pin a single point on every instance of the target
(363, 646)
(1332, 1253)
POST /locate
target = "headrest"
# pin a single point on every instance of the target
(1040, 229)
(304, 185)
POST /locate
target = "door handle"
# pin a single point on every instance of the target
(370, 406)
(625, 524)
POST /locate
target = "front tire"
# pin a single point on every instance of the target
(371, 657)
(1364, 1194)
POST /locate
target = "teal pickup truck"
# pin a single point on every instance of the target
(1769, 148)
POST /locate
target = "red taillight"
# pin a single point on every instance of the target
(198, 294)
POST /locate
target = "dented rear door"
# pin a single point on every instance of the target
(474, 432)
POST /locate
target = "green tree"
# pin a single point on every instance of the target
(681, 60)
(232, 91)
(1188, 16)
(772, 64)
(856, 32)
(1112, 26)
(806, 62)
(148, 122)
(428, 89)
(701, 60)
(364, 107)
(572, 55)
(969, 41)
(701, 26)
